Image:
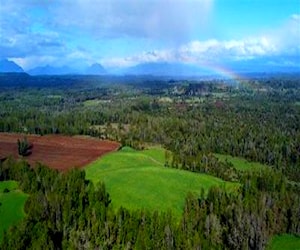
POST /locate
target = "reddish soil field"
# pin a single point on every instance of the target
(57, 151)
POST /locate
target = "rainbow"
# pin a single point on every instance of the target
(221, 71)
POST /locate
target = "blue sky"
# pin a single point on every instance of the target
(119, 33)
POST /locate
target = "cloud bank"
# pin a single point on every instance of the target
(282, 41)
(77, 32)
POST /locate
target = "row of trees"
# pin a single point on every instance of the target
(255, 129)
(261, 127)
(65, 211)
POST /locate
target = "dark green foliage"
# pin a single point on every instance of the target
(24, 147)
(258, 121)
(66, 211)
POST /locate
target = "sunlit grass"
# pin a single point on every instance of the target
(12, 203)
(138, 179)
(241, 163)
(284, 242)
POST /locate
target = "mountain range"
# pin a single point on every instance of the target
(7, 66)
(95, 69)
(165, 69)
(49, 70)
(264, 65)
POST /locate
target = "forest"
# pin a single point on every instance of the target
(257, 118)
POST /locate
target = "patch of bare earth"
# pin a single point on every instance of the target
(57, 151)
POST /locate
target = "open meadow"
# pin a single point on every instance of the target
(12, 203)
(284, 242)
(138, 179)
(241, 163)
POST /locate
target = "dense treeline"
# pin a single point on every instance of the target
(259, 121)
(65, 211)
(257, 131)
(251, 127)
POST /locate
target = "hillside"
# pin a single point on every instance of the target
(50, 70)
(95, 69)
(138, 179)
(7, 66)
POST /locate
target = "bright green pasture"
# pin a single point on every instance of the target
(241, 163)
(138, 179)
(12, 205)
(284, 242)
(10, 185)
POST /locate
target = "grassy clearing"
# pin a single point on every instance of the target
(241, 163)
(138, 179)
(10, 185)
(284, 242)
(12, 205)
(156, 153)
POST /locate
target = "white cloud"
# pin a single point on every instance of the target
(144, 57)
(52, 28)
(78, 59)
(295, 17)
(52, 33)
(30, 62)
(170, 20)
(287, 37)
(281, 41)
(202, 51)
(248, 47)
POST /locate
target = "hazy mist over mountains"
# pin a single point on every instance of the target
(150, 36)
(9, 66)
(269, 65)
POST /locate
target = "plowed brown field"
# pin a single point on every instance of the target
(57, 151)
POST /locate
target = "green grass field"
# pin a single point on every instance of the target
(241, 163)
(12, 205)
(138, 179)
(284, 242)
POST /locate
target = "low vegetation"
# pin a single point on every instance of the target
(241, 163)
(196, 194)
(65, 211)
(139, 179)
(284, 242)
(24, 147)
(12, 202)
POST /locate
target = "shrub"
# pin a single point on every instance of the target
(24, 147)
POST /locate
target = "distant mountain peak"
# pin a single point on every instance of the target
(95, 69)
(7, 66)
(50, 70)
(164, 69)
